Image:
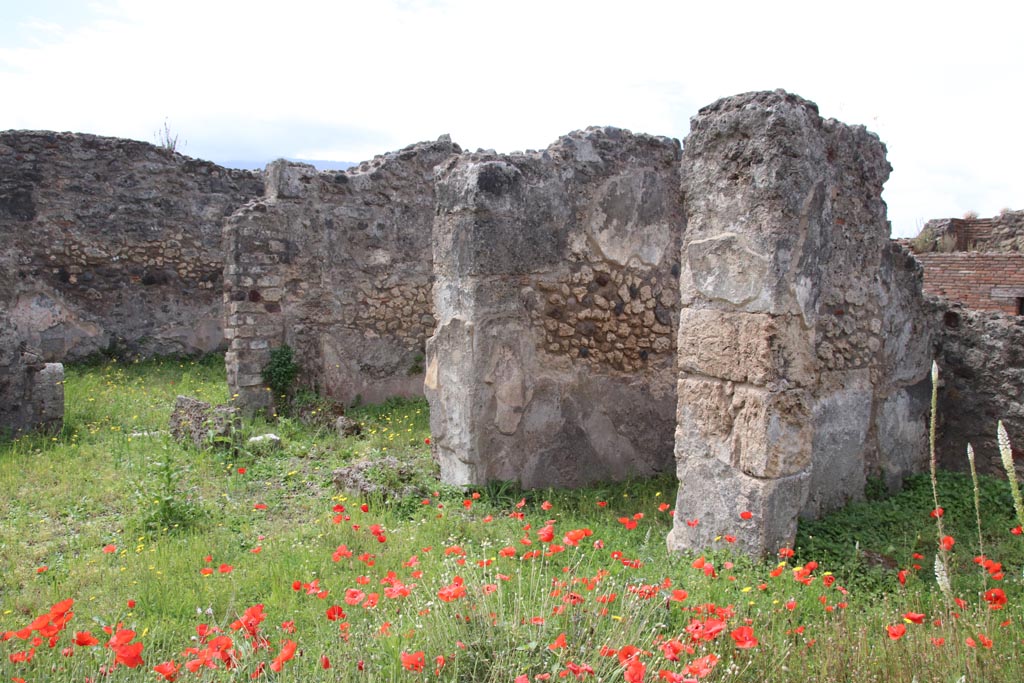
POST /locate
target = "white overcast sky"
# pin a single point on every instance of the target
(942, 83)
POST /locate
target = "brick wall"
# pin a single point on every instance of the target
(978, 280)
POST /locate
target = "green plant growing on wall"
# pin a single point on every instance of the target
(281, 371)
(167, 140)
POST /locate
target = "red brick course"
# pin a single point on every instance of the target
(983, 281)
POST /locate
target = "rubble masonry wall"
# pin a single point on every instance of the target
(113, 244)
(338, 266)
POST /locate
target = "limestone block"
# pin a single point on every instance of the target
(346, 426)
(31, 392)
(199, 423)
(726, 268)
(289, 180)
(712, 495)
(453, 410)
(48, 394)
(772, 432)
(629, 216)
(745, 347)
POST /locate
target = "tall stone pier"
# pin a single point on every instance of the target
(556, 295)
(800, 355)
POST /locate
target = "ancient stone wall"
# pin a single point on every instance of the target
(604, 308)
(338, 266)
(110, 243)
(803, 351)
(981, 381)
(31, 391)
(556, 297)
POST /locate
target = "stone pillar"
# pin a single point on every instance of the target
(555, 293)
(31, 391)
(258, 245)
(780, 332)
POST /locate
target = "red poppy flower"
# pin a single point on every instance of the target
(354, 596)
(129, 654)
(167, 670)
(558, 643)
(85, 639)
(914, 617)
(286, 653)
(746, 514)
(110, 548)
(896, 631)
(947, 543)
(744, 637)
(702, 666)
(635, 671)
(453, 591)
(414, 661)
(995, 598)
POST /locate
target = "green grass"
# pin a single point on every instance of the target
(114, 477)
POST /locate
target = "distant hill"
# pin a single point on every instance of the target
(321, 164)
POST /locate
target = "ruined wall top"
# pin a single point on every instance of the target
(617, 226)
(1003, 233)
(113, 243)
(293, 180)
(338, 266)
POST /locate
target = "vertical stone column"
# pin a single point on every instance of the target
(555, 293)
(779, 333)
(258, 246)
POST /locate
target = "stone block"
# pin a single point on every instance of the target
(197, 422)
(712, 495)
(745, 347)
